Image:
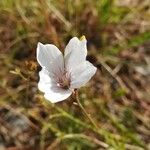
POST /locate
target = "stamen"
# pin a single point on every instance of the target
(64, 80)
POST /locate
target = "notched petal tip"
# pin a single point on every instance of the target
(39, 45)
(73, 39)
(76, 40)
(94, 70)
(38, 52)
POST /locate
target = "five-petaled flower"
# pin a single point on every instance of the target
(61, 74)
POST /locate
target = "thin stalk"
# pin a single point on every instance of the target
(84, 111)
(100, 131)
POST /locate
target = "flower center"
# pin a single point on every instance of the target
(64, 81)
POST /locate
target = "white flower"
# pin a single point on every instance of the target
(60, 75)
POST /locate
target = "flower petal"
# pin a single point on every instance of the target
(82, 74)
(75, 52)
(48, 85)
(50, 57)
(46, 81)
(57, 94)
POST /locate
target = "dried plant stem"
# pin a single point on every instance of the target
(84, 111)
(114, 75)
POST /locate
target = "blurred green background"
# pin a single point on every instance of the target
(117, 97)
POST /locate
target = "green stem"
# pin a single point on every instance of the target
(100, 131)
(85, 112)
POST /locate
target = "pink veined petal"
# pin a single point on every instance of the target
(57, 94)
(82, 74)
(50, 57)
(75, 53)
(46, 81)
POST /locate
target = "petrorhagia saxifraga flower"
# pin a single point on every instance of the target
(61, 74)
